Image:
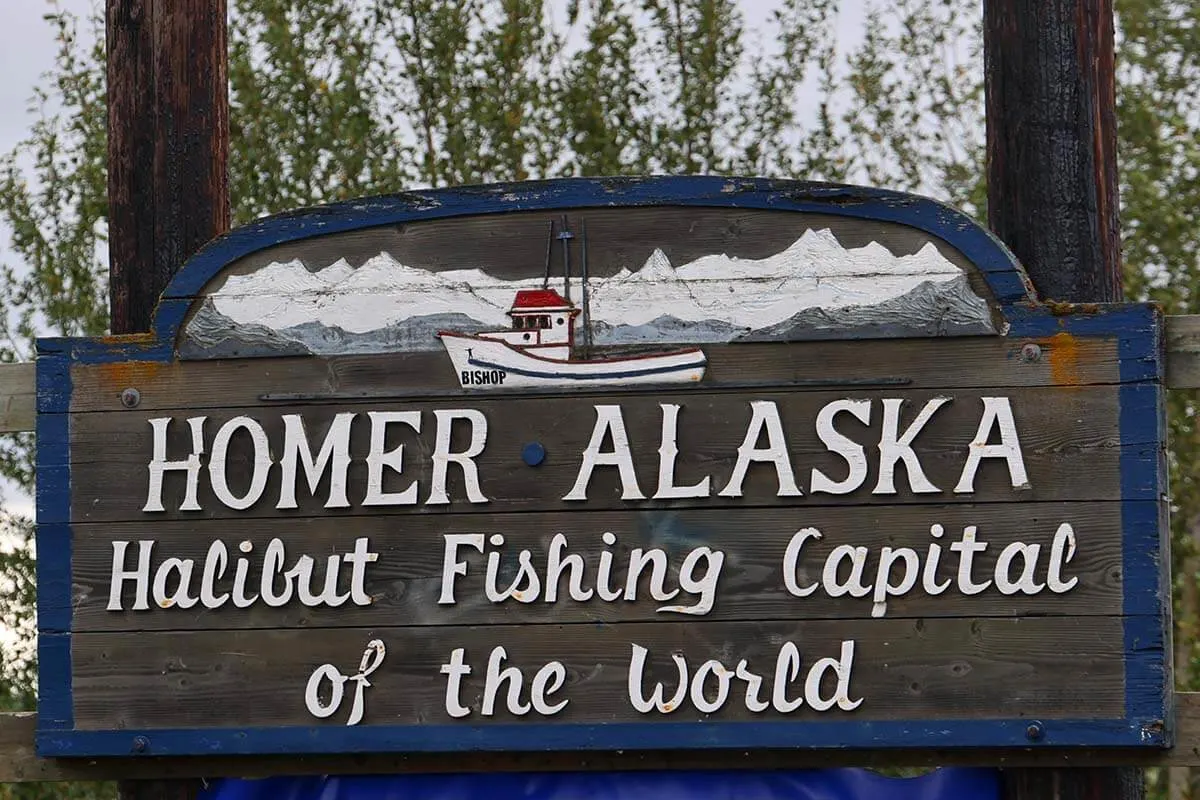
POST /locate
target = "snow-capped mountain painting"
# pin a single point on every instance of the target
(814, 288)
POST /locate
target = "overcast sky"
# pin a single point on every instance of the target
(27, 49)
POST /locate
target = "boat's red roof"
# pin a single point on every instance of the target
(538, 298)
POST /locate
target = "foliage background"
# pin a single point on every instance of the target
(347, 98)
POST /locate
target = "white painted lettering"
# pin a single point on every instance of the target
(853, 585)
(259, 470)
(764, 415)
(525, 571)
(548, 680)
(997, 412)
(605, 589)
(668, 451)
(140, 575)
(379, 459)
(495, 678)
(929, 575)
(454, 671)
(884, 588)
(443, 458)
(657, 701)
(557, 564)
(894, 447)
(753, 684)
(1062, 550)
(791, 562)
(451, 565)
(705, 587)
(853, 452)
(159, 465)
(1025, 583)
(967, 547)
(609, 421)
(334, 455)
(787, 669)
(699, 697)
(638, 559)
(215, 564)
(180, 597)
(273, 561)
(841, 696)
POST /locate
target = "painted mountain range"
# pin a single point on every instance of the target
(815, 288)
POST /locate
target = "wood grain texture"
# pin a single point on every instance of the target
(19, 764)
(405, 582)
(168, 145)
(98, 387)
(1052, 144)
(1182, 344)
(168, 153)
(18, 397)
(904, 669)
(933, 363)
(1053, 199)
(1069, 437)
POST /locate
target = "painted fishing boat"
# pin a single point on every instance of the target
(539, 350)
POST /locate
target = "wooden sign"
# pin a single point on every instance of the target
(662, 463)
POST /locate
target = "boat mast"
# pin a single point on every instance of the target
(565, 236)
(583, 281)
(549, 248)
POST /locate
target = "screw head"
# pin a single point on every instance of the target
(1031, 352)
(533, 454)
(1035, 731)
(140, 744)
(131, 397)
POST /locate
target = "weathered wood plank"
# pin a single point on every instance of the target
(94, 385)
(1183, 351)
(18, 397)
(1068, 437)
(168, 146)
(1053, 197)
(405, 582)
(817, 365)
(1046, 668)
(19, 764)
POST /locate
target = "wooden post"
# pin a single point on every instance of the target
(168, 193)
(168, 145)
(1053, 199)
(1052, 143)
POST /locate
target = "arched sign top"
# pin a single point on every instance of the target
(830, 261)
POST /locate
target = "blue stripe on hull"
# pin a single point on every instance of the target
(581, 377)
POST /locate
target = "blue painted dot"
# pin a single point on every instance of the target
(533, 453)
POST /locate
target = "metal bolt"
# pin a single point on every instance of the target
(1035, 731)
(140, 744)
(1031, 352)
(533, 453)
(131, 397)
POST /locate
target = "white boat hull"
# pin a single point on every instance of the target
(490, 363)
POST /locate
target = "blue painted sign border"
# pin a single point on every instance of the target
(1137, 328)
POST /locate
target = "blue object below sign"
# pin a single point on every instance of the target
(825, 784)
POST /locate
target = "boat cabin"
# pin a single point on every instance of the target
(543, 324)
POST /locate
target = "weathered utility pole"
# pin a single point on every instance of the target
(168, 193)
(1052, 143)
(1053, 199)
(168, 145)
